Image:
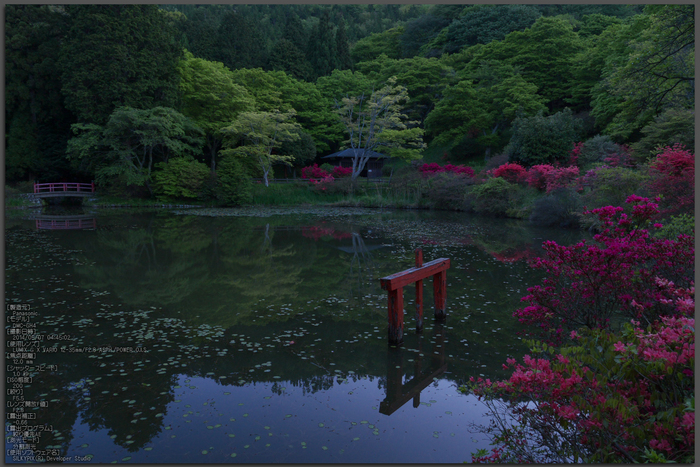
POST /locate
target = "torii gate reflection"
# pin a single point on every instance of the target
(397, 392)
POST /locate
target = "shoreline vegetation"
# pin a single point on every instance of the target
(544, 195)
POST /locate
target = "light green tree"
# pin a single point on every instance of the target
(211, 98)
(261, 135)
(131, 141)
(378, 121)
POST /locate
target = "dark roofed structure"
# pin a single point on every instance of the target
(373, 168)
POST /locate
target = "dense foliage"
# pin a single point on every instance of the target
(620, 388)
(471, 82)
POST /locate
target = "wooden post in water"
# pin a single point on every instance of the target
(395, 283)
(419, 293)
(440, 291)
(396, 316)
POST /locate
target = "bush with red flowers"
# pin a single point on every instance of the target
(434, 168)
(510, 172)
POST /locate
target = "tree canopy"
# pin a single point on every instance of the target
(211, 98)
(377, 121)
(261, 134)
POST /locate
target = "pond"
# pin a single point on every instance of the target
(255, 335)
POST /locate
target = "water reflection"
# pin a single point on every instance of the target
(399, 393)
(66, 222)
(282, 314)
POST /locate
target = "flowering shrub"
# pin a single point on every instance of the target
(560, 177)
(575, 153)
(433, 168)
(622, 158)
(536, 175)
(673, 177)
(607, 398)
(588, 285)
(674, 161)
(341, 172)
(510, 172)
(313, 171)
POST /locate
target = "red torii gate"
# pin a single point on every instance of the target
(395, 283)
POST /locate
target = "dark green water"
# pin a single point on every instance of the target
(261, 335)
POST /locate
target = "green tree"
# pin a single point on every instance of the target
(211, 98)
(608, 47)
(201, 30)
(132, 141)
(36, 119)
(262, 133)
(313, 112)
(107, 60)
(484, 106)
(659, 73)
(481, 24)
(668, 128)
(302, 150)
(294, 32)
(543, 140)
(378, 121)
(321, 47)
(287, 57)
(233, 186)
(610, 52)
(262, 86)
(372, 46)
(421, 31)
(180, 177)
(342, 48)
(594, 24)
(240, 44)
(424, 78)
(544, 53)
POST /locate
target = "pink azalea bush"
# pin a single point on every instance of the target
(608, 397)
(341, 172)
(575, 153)
(511, 172)
(604, 396)
(313, 171)
(433, 168)
(536, 176)
(591, 284)
(560, 177)
(673, 177)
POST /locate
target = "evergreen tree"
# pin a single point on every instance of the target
(118, 55)
(294, 32)
(342, 49)
(321, 47)
(239, 43)
(36, 120)
(285, 56)
(201, 30)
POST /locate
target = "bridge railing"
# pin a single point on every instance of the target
(58, 187)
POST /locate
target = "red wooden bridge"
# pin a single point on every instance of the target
(51, 190)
